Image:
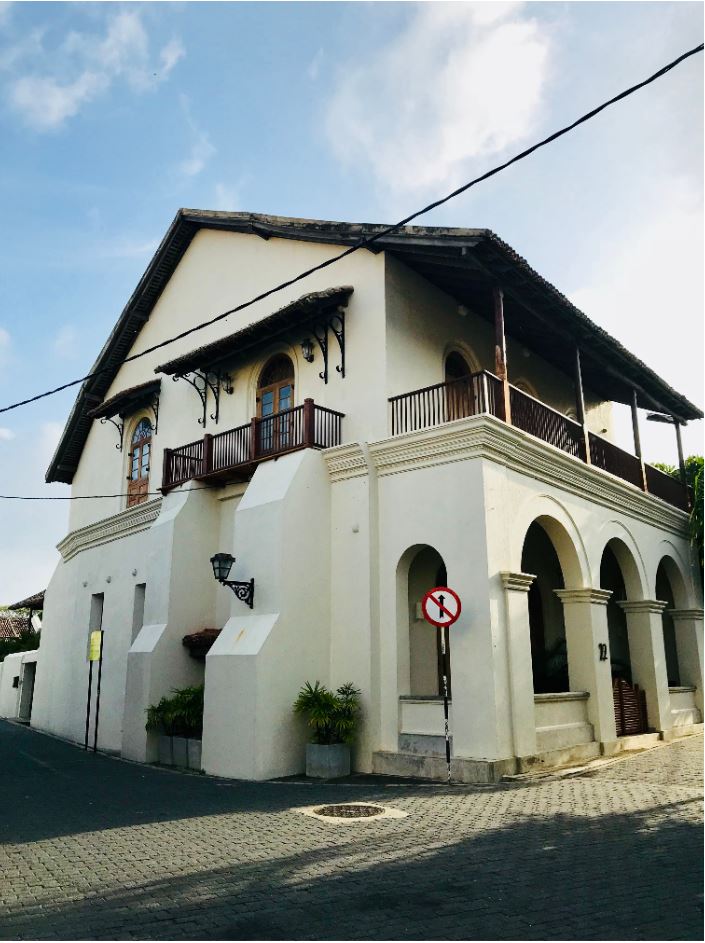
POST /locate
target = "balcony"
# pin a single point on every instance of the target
(483, 393)
(233, 455)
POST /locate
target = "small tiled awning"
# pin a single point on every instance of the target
(300, 312)
(199, 643)
(127, 401)
(13, 625)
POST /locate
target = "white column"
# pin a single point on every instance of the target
(585, 614)
(688, 624)
(647, 655)
(521, 681)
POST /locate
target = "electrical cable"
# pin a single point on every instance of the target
(370, 240)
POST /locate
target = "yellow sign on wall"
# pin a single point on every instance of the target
(94, 647)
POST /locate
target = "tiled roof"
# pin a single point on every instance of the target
(13, 625)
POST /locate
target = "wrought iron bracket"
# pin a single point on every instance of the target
(120, 426)
(153, 406)
(336, 324)
(204, 380)
(243, 589)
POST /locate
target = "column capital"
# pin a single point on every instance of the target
(642, 605)
(596, 597)
(517, 582)
(686, 614)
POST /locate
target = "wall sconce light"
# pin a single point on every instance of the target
(463, 311)
(244, 589)
(307, 350)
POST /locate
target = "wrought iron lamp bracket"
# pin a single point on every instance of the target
(243, 589)
(337, 326)
(120, 426)
(320, 332)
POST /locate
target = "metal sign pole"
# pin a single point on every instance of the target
(97, 695)
(444, 651)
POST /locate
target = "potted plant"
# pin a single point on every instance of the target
(333, 719)
(179, 722)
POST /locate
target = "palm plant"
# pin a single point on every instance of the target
(332, 717)
(180, 715)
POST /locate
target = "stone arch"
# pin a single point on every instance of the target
(420, 568)
(464, 350)
(621, 542)
(677, 573)
(621, 574)
(258, 366)
(563, 533)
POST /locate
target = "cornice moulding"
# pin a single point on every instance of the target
(596, 597)
(642, 605)
(131, 521)
(517, 582)
(346, 461)
(683, 614)
(485, 437)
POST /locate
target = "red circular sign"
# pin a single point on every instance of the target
(441, 606)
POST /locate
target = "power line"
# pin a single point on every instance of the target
(370, 240)
(88, 497)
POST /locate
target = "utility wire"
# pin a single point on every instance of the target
(370, 240)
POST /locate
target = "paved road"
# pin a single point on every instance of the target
(95, 848)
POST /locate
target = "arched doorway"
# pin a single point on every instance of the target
(140, 449)
(460, 400)
(275, 395)
(612, 578)
(549, 656)
(427, 570)
(665, 592)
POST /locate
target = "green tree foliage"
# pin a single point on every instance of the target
(333, 718)
(694, 478)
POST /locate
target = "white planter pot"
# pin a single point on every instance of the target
(194, 754)
(327, 761)
(166, 756)
(180, 751)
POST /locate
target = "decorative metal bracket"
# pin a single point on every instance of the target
(335, 323)
(243, 589)
(153, 406)
(120, 426)
(204, 380)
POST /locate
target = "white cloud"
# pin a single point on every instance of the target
(4, 345)
(460, 81)
(58, 83)
(646, 289)
(314, 66)
(66, 342)
(201, 148)
(6, 434)
(226, 197)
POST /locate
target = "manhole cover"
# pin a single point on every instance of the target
(356, 811)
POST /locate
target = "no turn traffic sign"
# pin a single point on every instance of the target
(441, 606)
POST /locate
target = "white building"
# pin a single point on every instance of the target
(398, 442)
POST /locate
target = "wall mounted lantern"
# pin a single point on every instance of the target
(307, 350)
(244, 589)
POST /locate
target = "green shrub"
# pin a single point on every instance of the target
(333, 718)
(180, 715)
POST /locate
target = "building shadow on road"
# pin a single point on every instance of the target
(574, 876)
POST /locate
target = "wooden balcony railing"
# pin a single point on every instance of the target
(482, 393)
(444, 402)
(234, 453)
(546, 423)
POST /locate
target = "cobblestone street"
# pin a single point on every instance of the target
(96, 848)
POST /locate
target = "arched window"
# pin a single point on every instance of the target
(456, 367)
(275, 394)
(141, 447)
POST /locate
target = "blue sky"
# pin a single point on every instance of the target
(114, 115)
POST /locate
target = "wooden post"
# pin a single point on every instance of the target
(637, 440)
(166, 465)
(253, 439)
(309, 423)
(207, 453)
(500, 350)
(580, 404)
